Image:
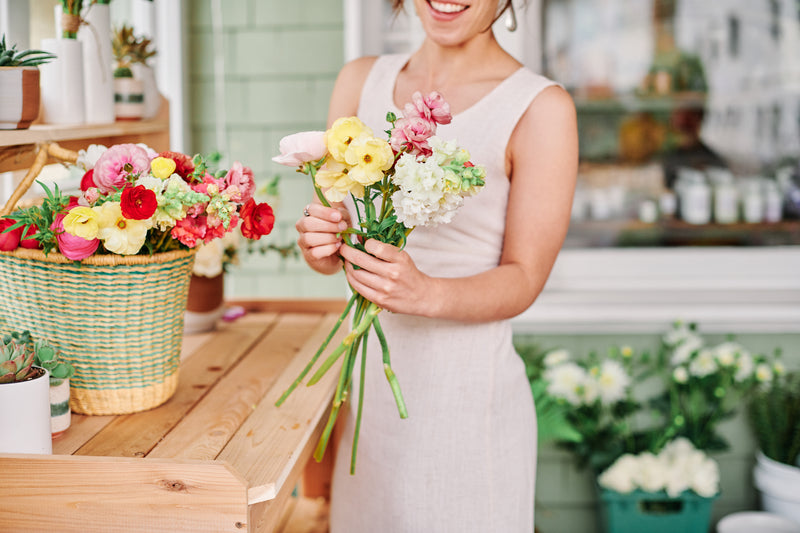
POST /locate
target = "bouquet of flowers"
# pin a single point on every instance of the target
(136, 201)
(413, 179)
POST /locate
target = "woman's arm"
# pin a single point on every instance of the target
(543, 159)
(317, 238)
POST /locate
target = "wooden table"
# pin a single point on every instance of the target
(218, 456)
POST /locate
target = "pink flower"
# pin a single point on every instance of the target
(432, 107)
(91, 195)
(412, 134)
(215, 229)
(239, 183)
(302, 147)
(208, 179)
(117, 163)
(72, 246)
(189, 230)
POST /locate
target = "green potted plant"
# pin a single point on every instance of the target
(19, 83)
(48, 357)
(24, 400)
(774, 416)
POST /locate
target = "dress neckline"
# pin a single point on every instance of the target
(403, 61)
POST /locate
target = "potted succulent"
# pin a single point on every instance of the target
(774, 415)
(48, 357)
(19, 85)
(25, 400)
(135, 92)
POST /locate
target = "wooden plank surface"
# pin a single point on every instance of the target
(136, 434)
(102, 494)
(209, 426)
(271, 444)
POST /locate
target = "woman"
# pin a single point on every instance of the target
(465, 459)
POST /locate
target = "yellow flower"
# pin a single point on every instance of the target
(82, 222)
(626, 351)
(344, 131)
(370, 157)
(162, 167)
(120, 235)
(334, 178)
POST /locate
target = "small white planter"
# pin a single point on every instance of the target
(128, 99)
(756, 522)
(60, 414)
(779, 485)
(152, 98)
(25, 416)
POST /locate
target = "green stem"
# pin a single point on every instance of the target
(363, 324)
(319, 352)
(360, 407)
(387, 369)
(311, 170)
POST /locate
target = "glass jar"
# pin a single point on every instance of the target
(694, 197)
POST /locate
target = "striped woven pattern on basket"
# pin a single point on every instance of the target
(118, 319)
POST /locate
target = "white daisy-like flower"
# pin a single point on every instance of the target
(778, 368)
(613, 382)
(744, 367)
(683, 351)
(680, 374)
(703, 364)
(87, 158)
(727, 353)
(590, 390)
(566, 381)
(556, 357)
(763, 373)
(679, 333)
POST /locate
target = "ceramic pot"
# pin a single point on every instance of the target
(19, 97)
(128, 99)
(60, 414)
(204, 304)
(778, 484)
(152, 98)
(25, 417)
(62, 82)
(98, 73)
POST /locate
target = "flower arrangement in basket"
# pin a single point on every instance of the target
(412, 179)
(644, 422)
(104, 275)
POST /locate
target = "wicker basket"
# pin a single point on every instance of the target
(118, 319)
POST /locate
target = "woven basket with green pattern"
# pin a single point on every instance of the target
(118, 319)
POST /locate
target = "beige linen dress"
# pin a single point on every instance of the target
(465, 458)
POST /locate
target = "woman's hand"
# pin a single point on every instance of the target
(388, 277)
(319, 239)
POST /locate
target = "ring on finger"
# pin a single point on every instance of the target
(305, 212)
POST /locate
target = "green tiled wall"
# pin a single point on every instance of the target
(281, 60)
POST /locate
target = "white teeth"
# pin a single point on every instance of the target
(447, 7)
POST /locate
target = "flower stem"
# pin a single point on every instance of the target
(360, 407)
(319, 352)
(387, 369)
(312, 171)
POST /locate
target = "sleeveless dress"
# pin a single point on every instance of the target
(465, 458)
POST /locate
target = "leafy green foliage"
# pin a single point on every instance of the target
(774, 416)
(42, 217)
(41, 353)
(11, 57)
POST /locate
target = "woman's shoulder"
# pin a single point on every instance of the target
(347, 89)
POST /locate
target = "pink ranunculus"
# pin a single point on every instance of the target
(91, 195)
(190, 230)
(72, 246)
(216, 230)
(302, 147)
(240, 183)
(208, 179)
(432, 107)
(117, 163)
(412, 134)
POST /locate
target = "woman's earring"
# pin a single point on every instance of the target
(511, 18)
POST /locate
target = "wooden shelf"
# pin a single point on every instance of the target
(18, 147)
(218, 456)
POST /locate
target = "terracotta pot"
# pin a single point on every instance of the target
(204, 304)
(19, 97)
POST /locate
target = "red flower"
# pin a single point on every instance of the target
(9, 240)
(88, 180)
(72, 201)
(183, 163)
(257, 219)
(27, 240)
(138, 203)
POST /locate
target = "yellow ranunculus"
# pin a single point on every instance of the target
(120, 235)
(162, 167)
(344, 131)
(82, 222)
(370, 157)
(334, 178)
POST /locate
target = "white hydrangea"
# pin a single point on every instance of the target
(613, 381)
(620, 475)
(651, 475)
(567, 381)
